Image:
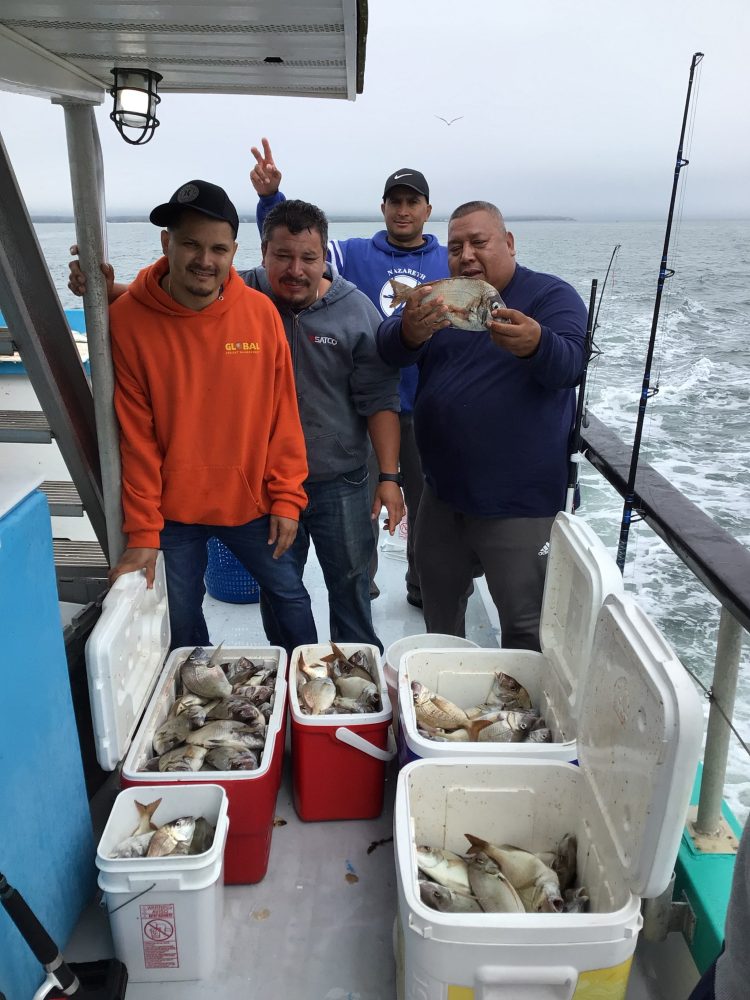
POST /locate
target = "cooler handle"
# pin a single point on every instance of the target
(502, 982)
(353, 739)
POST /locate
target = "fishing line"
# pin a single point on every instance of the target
(710, 696)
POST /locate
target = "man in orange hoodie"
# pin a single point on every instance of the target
(210, 436)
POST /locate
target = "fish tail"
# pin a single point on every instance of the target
(400, 292)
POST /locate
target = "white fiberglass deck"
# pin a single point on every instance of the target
(306, 931)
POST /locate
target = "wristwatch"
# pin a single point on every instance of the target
(391, 477)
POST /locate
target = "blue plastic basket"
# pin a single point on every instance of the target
(226, 578)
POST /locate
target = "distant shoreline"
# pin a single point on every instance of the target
(331, 218)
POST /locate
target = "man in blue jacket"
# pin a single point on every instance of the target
(493, 417)
(401, 251)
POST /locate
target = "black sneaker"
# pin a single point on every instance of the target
(414, 599)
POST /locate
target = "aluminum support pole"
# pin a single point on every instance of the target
(87, 182)
(726, 670)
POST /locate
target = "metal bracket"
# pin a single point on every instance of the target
(663, 915)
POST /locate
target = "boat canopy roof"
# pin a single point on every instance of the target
(269, 47)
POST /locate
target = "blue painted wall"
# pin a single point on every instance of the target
(46, 844)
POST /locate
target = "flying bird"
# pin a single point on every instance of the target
(451, 121)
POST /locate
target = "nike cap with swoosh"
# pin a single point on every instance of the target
(407, 178)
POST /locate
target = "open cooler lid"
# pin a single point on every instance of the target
(580, 574)
(124, 654)
(639, 740)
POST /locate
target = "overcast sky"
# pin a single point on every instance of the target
(568, 107)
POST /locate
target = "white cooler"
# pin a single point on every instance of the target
(639, 739)
(580, 575)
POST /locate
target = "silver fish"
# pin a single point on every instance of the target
(203, 836)
(224, 732)
(435, 710)
(318, 695)
(133, 847)
(492, 889)
(167, 837)
(536, 884)
(171, 733)
(439, 897)
(240, 709)
(355, 687)
(183, 758)
(444, 866)
(508, 692)
(576, 900)
(230, 758)
(566, 861)
(468, 301)
(202, 675)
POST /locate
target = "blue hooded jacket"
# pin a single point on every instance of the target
(370, 264)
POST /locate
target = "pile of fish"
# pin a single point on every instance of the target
(337, 684)
(505, 716)
(501, 879)
(186, 835)
(219, 718)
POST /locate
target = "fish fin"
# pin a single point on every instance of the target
(340, 654)
(215, 655)
(477, 844)
(400, 292)
(476, 726)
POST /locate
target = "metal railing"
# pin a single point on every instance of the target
(719, 562)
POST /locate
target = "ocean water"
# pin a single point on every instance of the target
(697, 430)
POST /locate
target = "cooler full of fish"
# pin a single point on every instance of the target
(448, 698)
(522, 879)
(165, 905)
(339, 750)
(230, 731)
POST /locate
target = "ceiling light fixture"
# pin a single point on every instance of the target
(135, 100)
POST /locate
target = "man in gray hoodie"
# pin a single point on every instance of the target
(345, 392)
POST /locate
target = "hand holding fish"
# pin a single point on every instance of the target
(133, 560)
(515, 332)
(265, 175)
(389, 495)
(421, 318)
(281, 531)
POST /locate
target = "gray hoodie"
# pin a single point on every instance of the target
(341, 379)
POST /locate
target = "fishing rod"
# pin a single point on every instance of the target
(590, 350)
(575, 443)
(646, 392)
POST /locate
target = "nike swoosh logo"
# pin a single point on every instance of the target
(397, 177)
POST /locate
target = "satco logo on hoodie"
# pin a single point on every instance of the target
(243, 347)
(315, 339)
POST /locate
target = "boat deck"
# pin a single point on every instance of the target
(319, 926)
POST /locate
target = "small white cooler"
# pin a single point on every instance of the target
(639, 740)
(165, 913)
(131, 674)
(580, 575)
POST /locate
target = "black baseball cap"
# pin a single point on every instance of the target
(407, 178)
(200, 196)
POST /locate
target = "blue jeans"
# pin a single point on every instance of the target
(337, 519)
(185, 559)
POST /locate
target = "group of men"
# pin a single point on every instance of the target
(251, 404)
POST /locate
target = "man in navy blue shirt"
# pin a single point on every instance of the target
(493, 416)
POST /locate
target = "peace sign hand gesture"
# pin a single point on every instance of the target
(265, 175)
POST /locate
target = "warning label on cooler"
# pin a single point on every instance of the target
(159, 936)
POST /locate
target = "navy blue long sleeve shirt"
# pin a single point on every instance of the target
(492, 429)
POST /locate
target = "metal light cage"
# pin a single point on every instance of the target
(135, 100)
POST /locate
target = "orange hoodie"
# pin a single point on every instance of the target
(209, 428)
